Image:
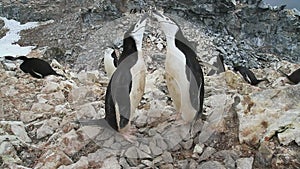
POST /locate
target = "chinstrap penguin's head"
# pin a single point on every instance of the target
(136, 31)
(169, 26)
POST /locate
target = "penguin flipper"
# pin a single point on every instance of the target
(35, 74)
(120, 86)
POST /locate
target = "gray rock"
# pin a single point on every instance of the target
(207, 153)
(187, 144)
(211, 165)
(183, 163)
(123, 163)
(193, 164)
(18, 129)
(167, 166)
(49, 159)
(44, 131)
(198, 148)
(269, 115)
(264, 155)
(167, 157)
(111, 162)
(82, 163)
(50, 87)
(244, 163)
(155, 150)
(160, 142)
(145, 148)
(99, 156)
(8, 153)
(131, 153)
(148, 163)
(157, 160)
(42, 107)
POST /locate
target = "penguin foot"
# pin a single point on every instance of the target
(181, 122)
(129, 137)
(176, 116)
(128, 134)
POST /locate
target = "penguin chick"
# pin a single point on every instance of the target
(110, 61)
(126, 86)
(248, 75)
(184, 74)
(293, 77)
(35, 67)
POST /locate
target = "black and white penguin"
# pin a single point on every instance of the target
(184, 74)
(34, 66)
(127, 84)
(293, 77)
(110, 61)
(217, 62)
(248, 75)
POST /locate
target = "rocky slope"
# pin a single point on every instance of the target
(245, 126)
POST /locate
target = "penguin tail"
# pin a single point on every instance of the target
(92, 122)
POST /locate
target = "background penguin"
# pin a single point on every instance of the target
(248, 75)
(184, 75)
(35, 67)
(293, 77)
(217, 62)
(110, 61)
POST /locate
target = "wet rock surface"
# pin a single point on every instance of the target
(245, 126)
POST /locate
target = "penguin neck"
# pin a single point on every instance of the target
(170, 42)
(130, 46)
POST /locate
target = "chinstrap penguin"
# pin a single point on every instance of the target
(248, 75)
(184, 74)
(126, 86)
(34, 66)
(293, 77)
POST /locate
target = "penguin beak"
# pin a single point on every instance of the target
(157, 16)
(141, 23)
(144, 17)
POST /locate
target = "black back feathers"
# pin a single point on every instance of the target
(35, 67)
(293, 77)
(248, 75)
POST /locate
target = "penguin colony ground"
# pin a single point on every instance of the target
(35, 67)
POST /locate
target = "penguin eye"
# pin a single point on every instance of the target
(167, 19)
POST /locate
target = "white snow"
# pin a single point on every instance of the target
(7, 46)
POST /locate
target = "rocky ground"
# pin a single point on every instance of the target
(245, 127)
